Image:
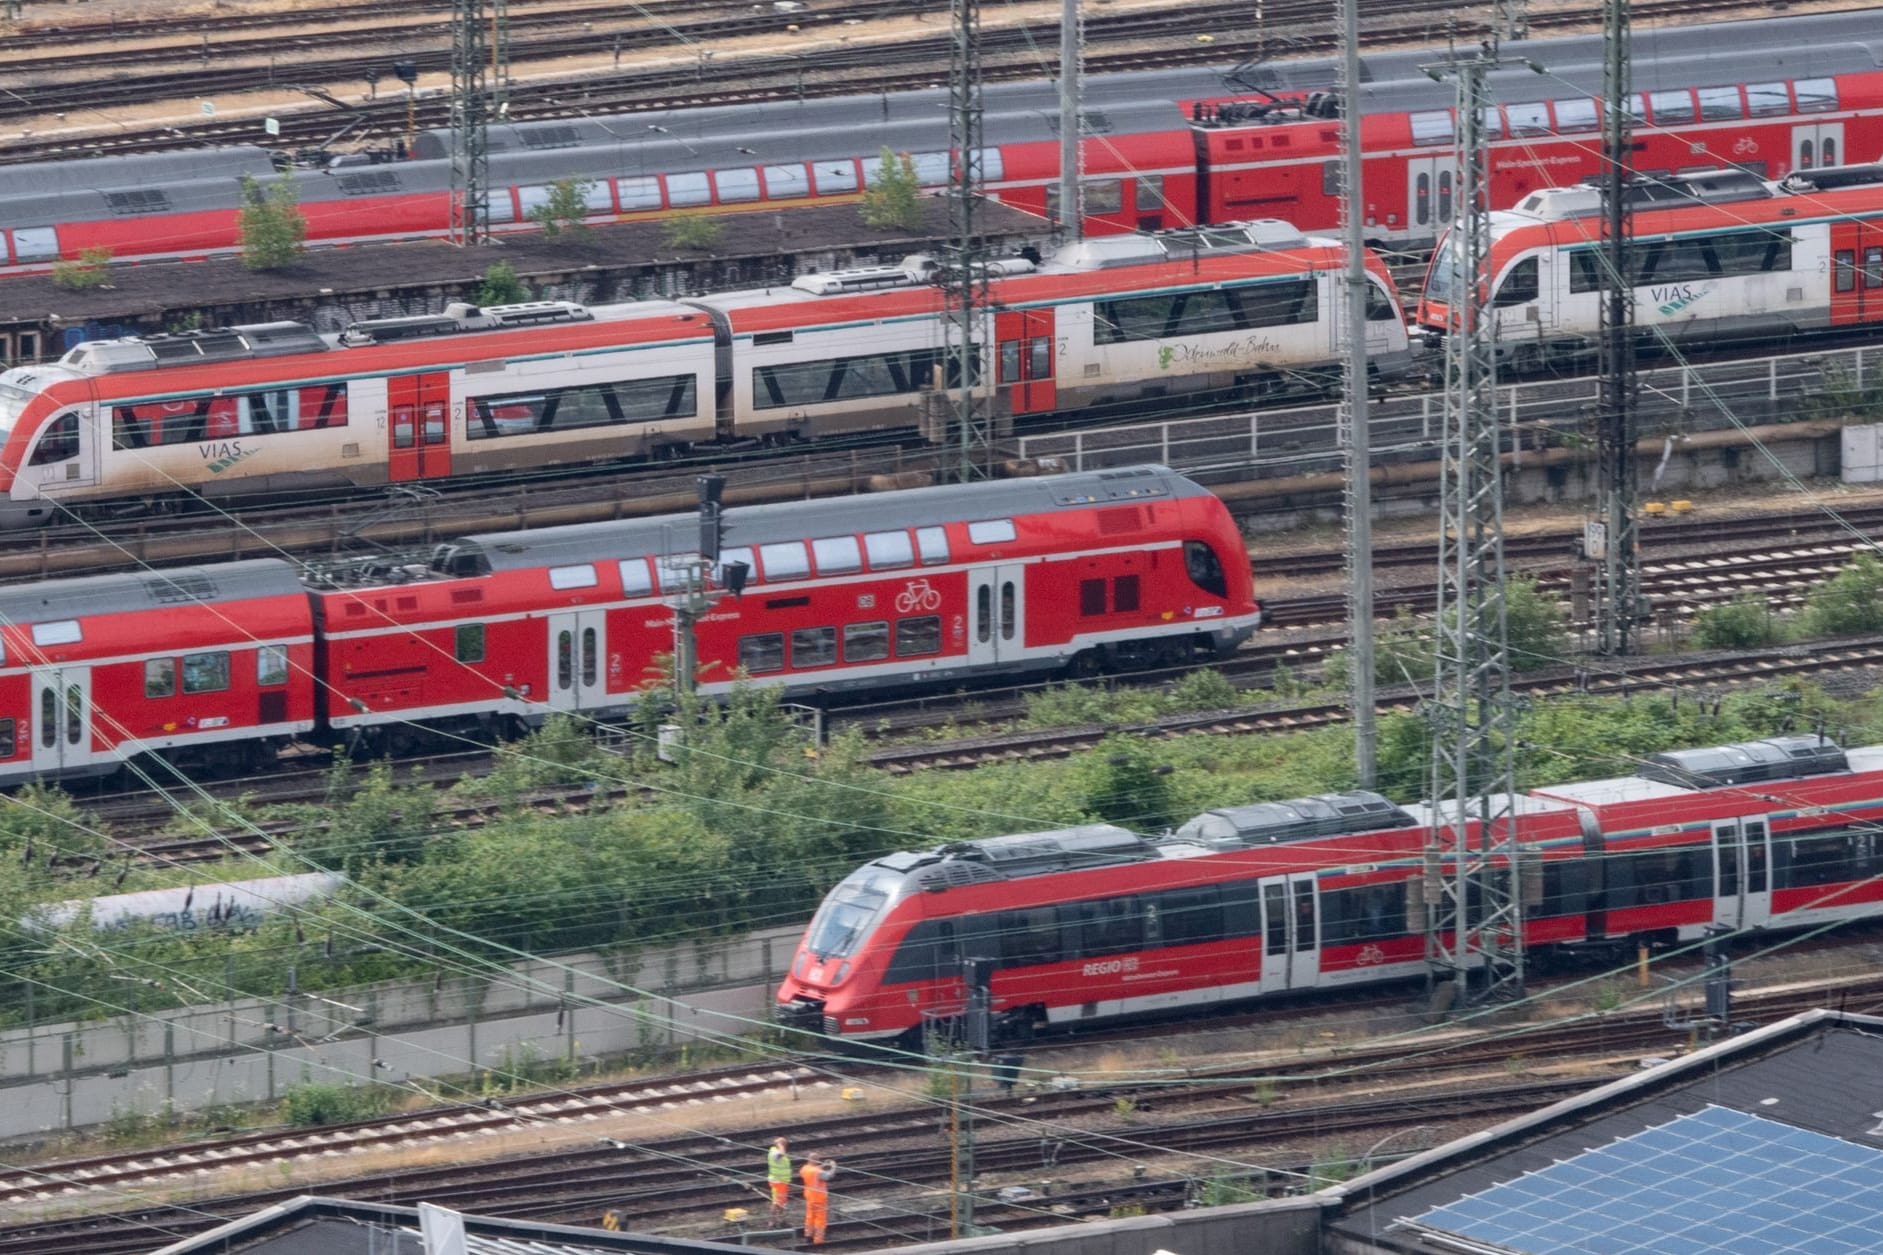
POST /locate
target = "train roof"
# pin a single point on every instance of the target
(1679, 773)
(1269, 823)
(753, 525)
(127, 592)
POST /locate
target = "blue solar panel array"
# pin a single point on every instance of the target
(1719, 1182)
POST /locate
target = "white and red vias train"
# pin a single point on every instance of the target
(1095, 924)
(1108, 324)
(927, 586)
(1716, 256)
(1164, 149)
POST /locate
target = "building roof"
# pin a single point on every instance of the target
(1770, 1141)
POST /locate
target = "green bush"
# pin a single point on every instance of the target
(692, 231)
(501, 286)
(1848, 603)
(271, 226)
(1745, 622)
(310, 1103)
(85, 274)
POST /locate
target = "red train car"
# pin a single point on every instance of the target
(925, 586)
(195, 664)
(1096, 923)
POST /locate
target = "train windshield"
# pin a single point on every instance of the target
(1438, 277)
(13, 402)
(848, 912)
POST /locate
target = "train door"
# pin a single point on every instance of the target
(1291, 932)
(62, 699)
(996, 613)
(418, 426)
(1817, 144)
(1025, 339)
(1742, 872)
(1856, 271)
(1429, 182)
(578, 653)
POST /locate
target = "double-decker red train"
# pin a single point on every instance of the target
(929, 586)
(1096, 924)
(1169, 149)
(1103, 326)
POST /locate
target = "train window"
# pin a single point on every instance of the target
(160, 677)
(1666, 875)
(1104, 196)
(1585, 274)
(1422, 198)
(1673, 261)
(1519, 286)
(1009, 369)
(984, 613)
(837, 554)
(1379, 303)
(688, 189)
(1028, 937)
(8, 745)
(991, 531)
(834, 177)
(58, 442)
(581, 575)
(1565, 890)
(206, 672)
(848, 378)
(785, 560)
(813, 647)
(865, 642)
(635, 581)
(1816, 95)
(642, 192)
(1362, 914)
(1530, 118)
(673, 569)
(649, 400)
(1638, 107)
(1490, 123)
(1206, 571)
(48, 717)
(565, 659)
(402, 430)
(1150, 193)
(74, 713)
(1106, 926)
(1124, 593)
(271, 665)
(735, 185)
(1752, 252)
(1575, 114)
(1009, 619)
(1873, 267)
(469, 646)
(1846, 270)
(58, 632)
(1768, 100)
(932, 544)
(1190, 916)
(1246, 308)
(1671, 106)
(1718, 103)
(924, 952)
(916, 637)
(888, 550)
(786, 183)
(1275, 919)
(1431, 127)
(1091, 597)
(1039, 358)
(591, 655)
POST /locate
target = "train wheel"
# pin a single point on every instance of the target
(1085, 665)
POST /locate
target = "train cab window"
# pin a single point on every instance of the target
(1091, 597)
(785, 560)
(1717, 104)
(813, 647)
(160, 677)
(1520, 284)
(8, 745)
(581, 575)
(1575, 114)
(1431, 127)
(916, 637)
(1671, 106)
(206, 673)
(836, 555)
(865, 642)
(635, 581)
(1768, 100)
(1124, 593)
(1530, 118)
(991, 531)
(58, 442)
(271, 665)
(1846, 263)
(1816, 95)
(932, 544)
(763, 652)
(469, 646)
(888, 550)
(1379, 304)
(1206, 571)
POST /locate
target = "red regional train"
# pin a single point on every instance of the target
(1715, 256)
(924, 586)
(1224, 312)
(1090, 924)
(1168, 149)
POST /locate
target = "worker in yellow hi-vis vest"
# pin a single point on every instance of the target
(778, 1175)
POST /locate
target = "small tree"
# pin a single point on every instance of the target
(891, 201)
(86, 273)
(501, 286)
(693, 231)
(1745, 622)
(271, 227)
(566, 209)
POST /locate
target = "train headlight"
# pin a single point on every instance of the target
(843, 971)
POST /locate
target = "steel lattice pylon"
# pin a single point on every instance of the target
(1353, 410)
(966, 272)
(1470, 862)
(473, 79)
(1617, 608)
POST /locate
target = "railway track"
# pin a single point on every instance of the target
(1459, 1077)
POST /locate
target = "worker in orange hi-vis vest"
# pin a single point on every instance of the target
(778, 1176)
(816, 1175)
